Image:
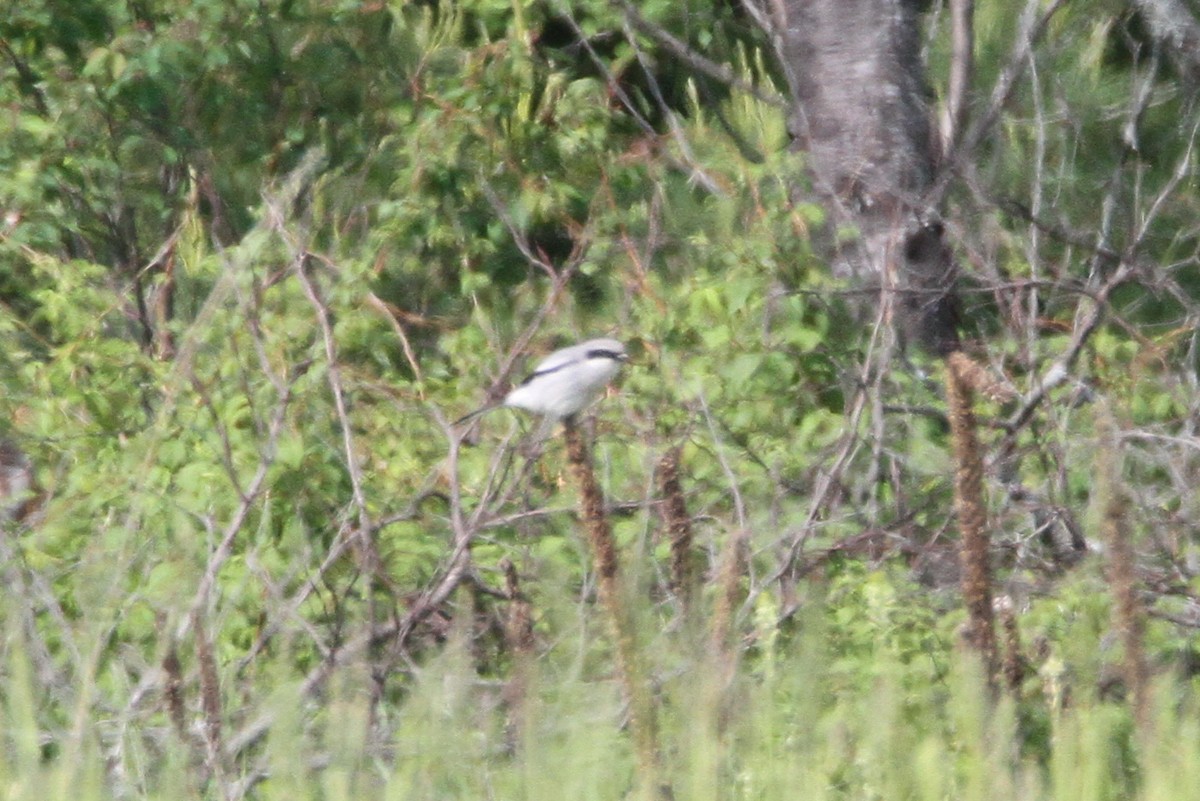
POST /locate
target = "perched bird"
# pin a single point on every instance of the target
(564, 382)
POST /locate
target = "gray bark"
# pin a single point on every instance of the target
(862, 117)
(1174, 23)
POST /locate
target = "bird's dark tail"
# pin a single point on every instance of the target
(466, 418)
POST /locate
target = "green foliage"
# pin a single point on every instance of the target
(255, 255)
(797, 730)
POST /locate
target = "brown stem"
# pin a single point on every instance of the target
(518, 637)
(972, 514)
(210, 701)
(679, 529)
(173, 692)
(1128, 616)
(518, 630)
(1012, 666)
(723, 646)
(164, 309)
(642, 721)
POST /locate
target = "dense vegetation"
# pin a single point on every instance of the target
(255, 256)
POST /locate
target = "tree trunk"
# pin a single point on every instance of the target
(861, 115)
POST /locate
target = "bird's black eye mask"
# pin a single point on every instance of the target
(601, 353)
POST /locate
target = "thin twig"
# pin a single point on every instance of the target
(962, 68)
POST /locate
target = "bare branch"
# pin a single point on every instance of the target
(250, 498)
(1032, 26)
(962, 67)
(1060, 370)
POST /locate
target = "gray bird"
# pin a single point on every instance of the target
(564, 382)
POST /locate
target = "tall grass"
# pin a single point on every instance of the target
(793, 724)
